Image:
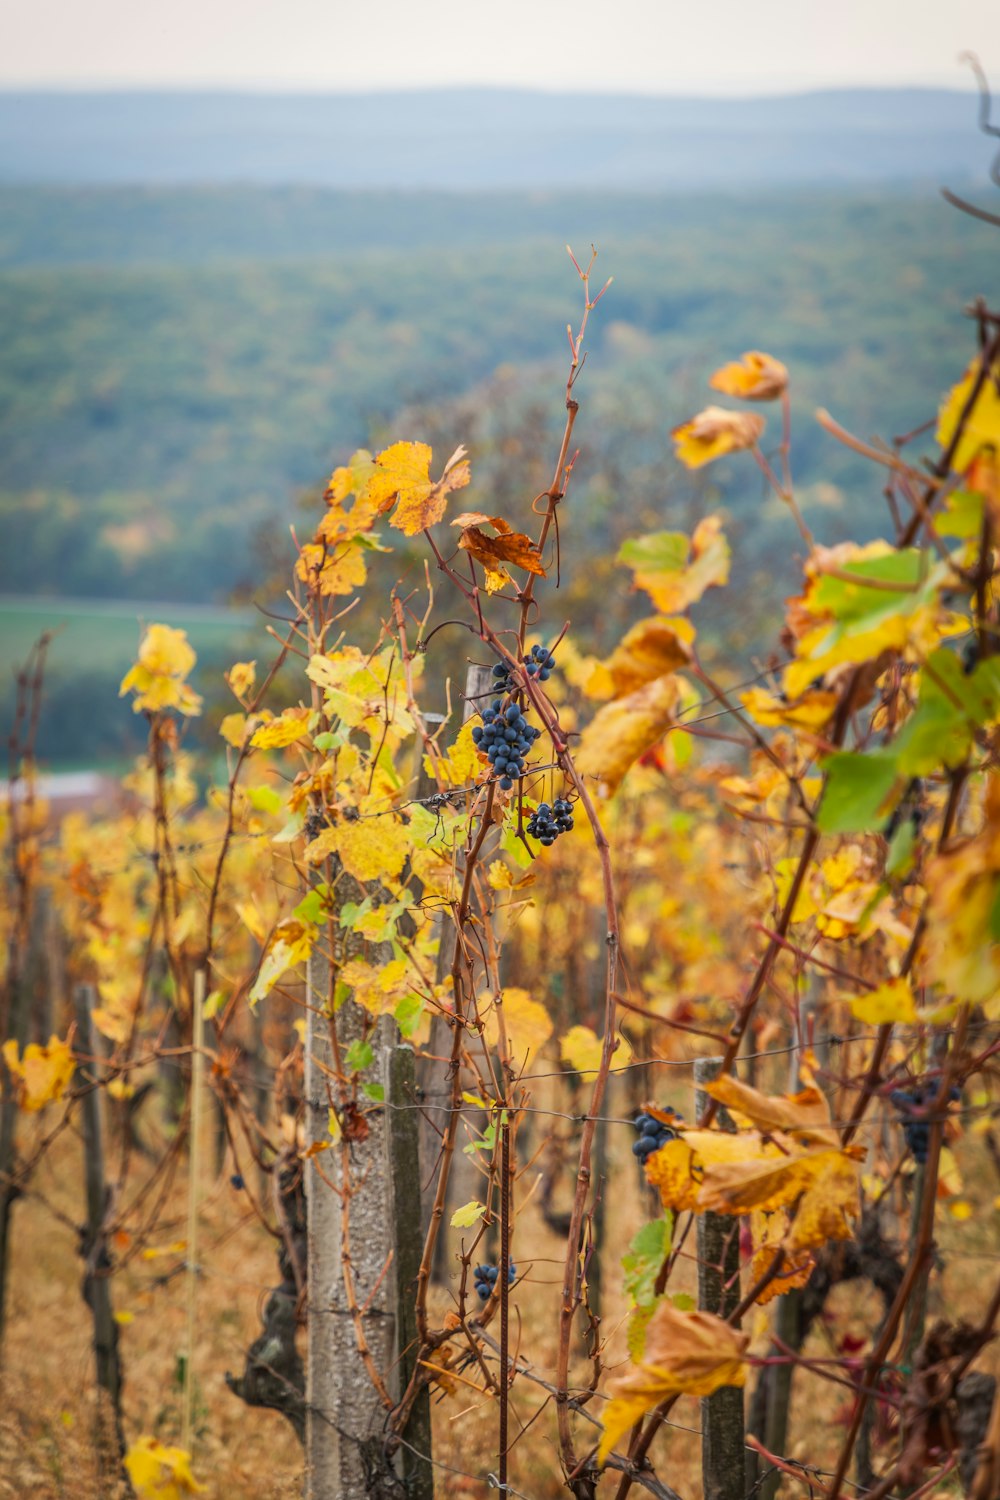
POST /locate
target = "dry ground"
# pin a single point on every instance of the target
(47, 1411)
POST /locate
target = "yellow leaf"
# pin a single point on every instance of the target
(768, 1231)
(621, 731)
(581, 1049)
(124, 1318)
(676, 570)
(499, 876)
(812, 711)
(158, 676)
(468, 1214)
(651, 649)
(756, 377)
(292, 725)
(805, 1114)
(891, 1002)
(461, 763)
(42, 1075)
(402, 478)
(370, 848)
(241, 677)
(527, 1023)
(677, 1170)
(961, 1209)
(160, 1473)
(234, 730)
(690, 1352)
(332, 571)
(982, 427)
(824, 1185)
(714, 432)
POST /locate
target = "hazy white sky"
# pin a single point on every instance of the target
(719, 46)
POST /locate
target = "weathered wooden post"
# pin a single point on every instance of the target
(433, 1074)
(350, 1313)
(723, 1441)
(96, 1284)
(195, 1111)
(17, 1023)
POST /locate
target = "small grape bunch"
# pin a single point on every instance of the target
(505, 737)
(539, 663)
(652, 1135)
(911, 1106)
(547, 822)
(486, 1277)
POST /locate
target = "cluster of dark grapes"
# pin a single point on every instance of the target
(652, 1135)
(485, 1278)
(539, 663)
(548, 822)
(505, 736)
(911, 1106)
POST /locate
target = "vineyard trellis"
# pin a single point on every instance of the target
(798, 921)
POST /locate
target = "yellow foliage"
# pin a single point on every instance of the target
(158, 676)
(755, 377)
(982, 427)
(653, 648)
(621, 731)
(241, 677)
(690, 1352)
(42, 1075)
(290, 726)
(372, 846)
(160, 1473)
(581, 1049)
(890, 1002)
(526, 1021)
(714, 432)
(402, 478)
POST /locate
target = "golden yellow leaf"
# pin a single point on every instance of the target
(158, 1472)
(234, 729)
(755, 377)
(291, 725)
(891, 1002)
(241, 677)
(768, 1232)
(714, 432)
(499, 876)
(376, 986)
(690, 1352)
(461, 764)
(402, 478)
(960, 951)
(677, 1170)
(812, 711)
(653, 648)
(42, 1075)
(372, 847)
(332, 572)
(581, 1049)
(982, 427)
(805, 1114)
(675, 570)
(823, 1183)
(527, 1023)
(621, 731)
(158, 676)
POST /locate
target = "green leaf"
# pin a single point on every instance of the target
(265, 799)
(860, 793)
(899, 860)
(644, 1257)
(962, 516)
(213, 1004)
(359, 1056)
(374, 1091)
(312, 908)
(408, 1013)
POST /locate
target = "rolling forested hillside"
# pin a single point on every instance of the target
(181, 367)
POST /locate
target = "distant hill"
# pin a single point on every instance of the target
(490, 139)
